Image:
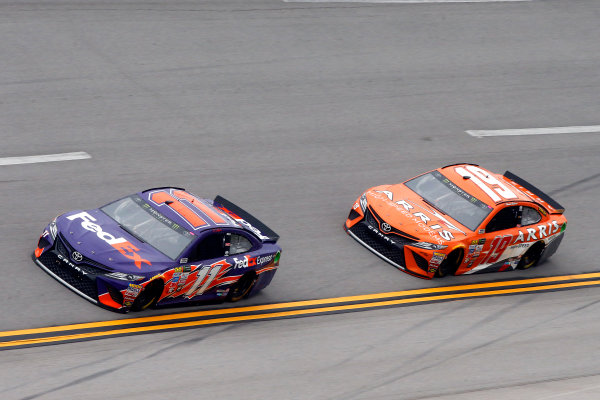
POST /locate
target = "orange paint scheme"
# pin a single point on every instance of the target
(459, 219)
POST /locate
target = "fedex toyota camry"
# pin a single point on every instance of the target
(157, 247)
(459, 219)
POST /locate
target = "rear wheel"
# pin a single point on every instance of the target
(149, 296)
(242, 287)
(531, 256)
(450, 264)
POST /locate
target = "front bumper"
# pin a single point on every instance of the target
(81, 278)
(392, 248)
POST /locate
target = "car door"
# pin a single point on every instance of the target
(498, 234)
(217, 261)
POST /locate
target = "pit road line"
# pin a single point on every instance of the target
(403, 1)
(77, 155)
(535, 131)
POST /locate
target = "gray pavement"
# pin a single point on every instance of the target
(292, 110)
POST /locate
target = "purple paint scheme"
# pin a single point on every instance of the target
(157, 247)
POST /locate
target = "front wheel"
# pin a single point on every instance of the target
(450, 264)
(531, 256)
(148, 297)
(242, 287)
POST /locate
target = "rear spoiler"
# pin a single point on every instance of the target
(250, 222)
(537, 194)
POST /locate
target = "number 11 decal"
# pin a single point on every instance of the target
(175, 202)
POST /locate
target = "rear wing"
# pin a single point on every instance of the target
(243, 217)
(553, 206)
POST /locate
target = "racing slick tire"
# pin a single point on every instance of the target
(242, 287)
(450, 264)
(531, 256)
(149, 296)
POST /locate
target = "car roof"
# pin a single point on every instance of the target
(479, 182)
(188, 210)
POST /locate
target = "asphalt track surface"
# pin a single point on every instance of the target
(292, 110)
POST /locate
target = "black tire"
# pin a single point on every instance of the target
(242, 287)
(531, 257)
(450, 264)
(149, 296)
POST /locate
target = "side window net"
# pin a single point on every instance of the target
(239, 244)
(530, 216)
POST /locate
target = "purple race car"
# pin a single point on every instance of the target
(157, 247)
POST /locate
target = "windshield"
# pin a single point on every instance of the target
(141, 220)
(444, 195)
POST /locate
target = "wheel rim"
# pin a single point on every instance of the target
(240, 291)
(531, 257)
(146, 298)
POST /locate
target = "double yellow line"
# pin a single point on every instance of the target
(129, 326)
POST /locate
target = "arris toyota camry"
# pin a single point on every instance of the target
(157, 247)
(459, 219)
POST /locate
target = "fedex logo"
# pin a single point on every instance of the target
(120, 244)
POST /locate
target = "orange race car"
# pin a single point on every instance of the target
(459, 219)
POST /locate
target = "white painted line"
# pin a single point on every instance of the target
(403, 1)
(537, 131)
(78, 155)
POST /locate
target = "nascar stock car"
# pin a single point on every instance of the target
(157, 247)
(459, 219)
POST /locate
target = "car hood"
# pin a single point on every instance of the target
(406, 211)
(99, 238)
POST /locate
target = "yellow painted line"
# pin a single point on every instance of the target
(294, 304)
(349, 307)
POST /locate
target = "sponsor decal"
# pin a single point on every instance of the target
(185, 272)
(174, 279)
(244, 262)
(541, 232)
(119, 243)
(260, 260)
(520, 246)
(435, 261)
(131, 293)
(435, 231)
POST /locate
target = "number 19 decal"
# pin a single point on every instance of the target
(497, 247)
(496, 189)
